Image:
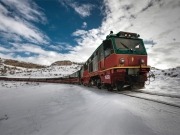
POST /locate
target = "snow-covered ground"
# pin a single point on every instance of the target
(43, 109)
(166, 81)
(167, 85)
(59, 109)
(49, 71)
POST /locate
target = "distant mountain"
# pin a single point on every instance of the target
(65, 63)
(16, 63)
(163, 73)
(14, 68)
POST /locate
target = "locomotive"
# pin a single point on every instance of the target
(121, 60)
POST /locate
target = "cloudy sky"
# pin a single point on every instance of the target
(45, 31)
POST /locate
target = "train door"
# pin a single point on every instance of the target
(101, 57)
(95, 61)
(108, 50)
(90, 64)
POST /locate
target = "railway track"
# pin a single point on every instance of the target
(155, 97)
(157, 94)
(166, 99)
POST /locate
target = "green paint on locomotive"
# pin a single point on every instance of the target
(127, 43)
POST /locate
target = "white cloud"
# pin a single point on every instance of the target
(83, 10)
(11, 36)
(84, 25)
(2, 49)
(79, 33)
(18, 24)
(61, 46)
(26, 9)
(38, 54)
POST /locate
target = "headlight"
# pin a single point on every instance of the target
(122, 61)
(142, 61)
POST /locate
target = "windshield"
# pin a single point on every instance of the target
(132, 45)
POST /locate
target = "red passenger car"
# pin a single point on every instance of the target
(120, 60)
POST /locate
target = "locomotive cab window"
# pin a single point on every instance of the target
(130, 45)
(85, 66)
(108, 48)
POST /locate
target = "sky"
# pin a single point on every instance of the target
(45, 31)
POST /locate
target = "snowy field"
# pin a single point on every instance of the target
(167, 85)
(49, 71)
(60, 109)
(166, 81)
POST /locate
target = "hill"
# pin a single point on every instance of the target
(14, 68)
(65, 63)
(164, 73)
(16, 63)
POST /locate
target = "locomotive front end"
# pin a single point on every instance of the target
(128, 63)
(120, 60)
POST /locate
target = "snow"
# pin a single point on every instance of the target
(165, 88)
(62, 109)
(48, 72)
(166, 82)
(164, 99)
(167, 85)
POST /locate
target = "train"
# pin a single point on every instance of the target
(119, 61)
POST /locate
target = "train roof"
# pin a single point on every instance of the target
(123, 34)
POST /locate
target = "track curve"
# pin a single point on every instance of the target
(150, 97)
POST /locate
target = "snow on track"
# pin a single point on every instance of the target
(164, 99)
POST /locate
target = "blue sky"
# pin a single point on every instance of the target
(45, 31)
